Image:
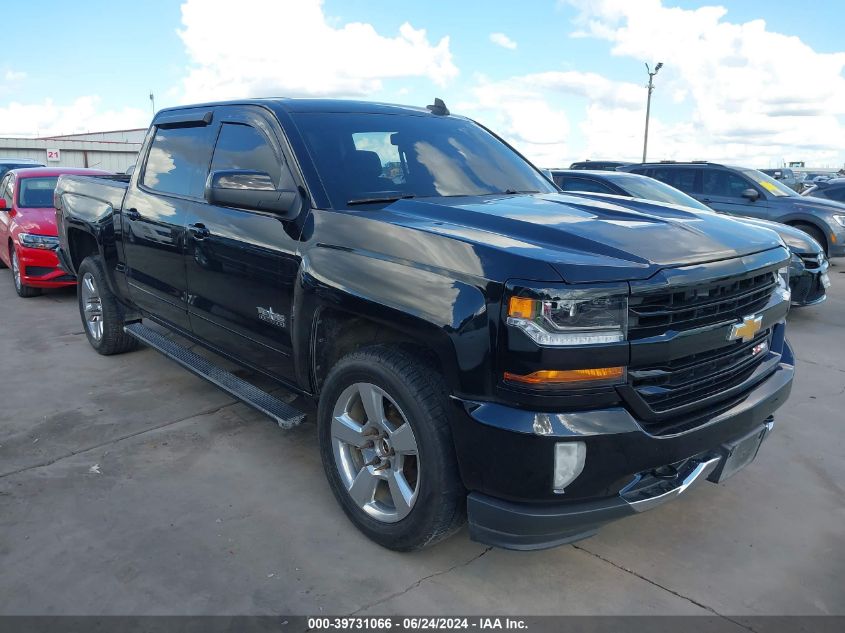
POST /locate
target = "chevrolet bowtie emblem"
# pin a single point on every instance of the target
(747, 329)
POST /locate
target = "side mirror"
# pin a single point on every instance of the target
(3, 206)
(751, 194)
(247, 189)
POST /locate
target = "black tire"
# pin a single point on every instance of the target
(23, 291)
(113, 339)
(815, 233)
(422, 396)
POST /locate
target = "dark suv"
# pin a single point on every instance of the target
(748, 192)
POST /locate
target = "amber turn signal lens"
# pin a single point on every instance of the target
(563, 376)
(521, 308)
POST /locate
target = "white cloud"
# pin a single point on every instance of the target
(294, 50)
(520, 113)
(755, 95)
(84, 114)
(502, 40)
(521, 109)
(14, 75)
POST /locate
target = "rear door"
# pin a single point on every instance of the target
(722, 189)
(169, 185)
(241, 264)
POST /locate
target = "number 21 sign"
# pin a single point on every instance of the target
(53, 155)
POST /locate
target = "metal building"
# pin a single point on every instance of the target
(112, 151)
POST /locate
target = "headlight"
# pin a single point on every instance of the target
(840, 219)
(571, 317)
(30, 240)
(783, 284)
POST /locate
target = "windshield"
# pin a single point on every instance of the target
(771, 185)
(370, 158)
(650, 189)
(36, 192)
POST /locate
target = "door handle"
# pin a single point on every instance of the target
(132, 214)
(198, 231)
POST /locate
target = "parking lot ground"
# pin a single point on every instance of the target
(129, 486)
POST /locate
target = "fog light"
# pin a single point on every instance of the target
(569, 462)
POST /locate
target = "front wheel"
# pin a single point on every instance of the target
(101, 312)
(387, 448)
(23, 291)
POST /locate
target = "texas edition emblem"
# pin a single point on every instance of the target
(273, 318)
(746, 330)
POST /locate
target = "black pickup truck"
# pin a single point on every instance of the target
(480, 345)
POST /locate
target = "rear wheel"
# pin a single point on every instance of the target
(101, 312)
(815, 233)
(23, 291)
(387, 448)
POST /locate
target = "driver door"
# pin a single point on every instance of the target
(242, 264)
(722, 190)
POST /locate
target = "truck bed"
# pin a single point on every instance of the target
(103, 189)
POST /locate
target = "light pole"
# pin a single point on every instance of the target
(153, 102)
(648, 102)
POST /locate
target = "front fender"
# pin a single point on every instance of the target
(448, 316)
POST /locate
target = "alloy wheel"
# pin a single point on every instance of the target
(92, 306)
(16, 270)
(375, 451)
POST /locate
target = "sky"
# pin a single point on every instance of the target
(751, 82)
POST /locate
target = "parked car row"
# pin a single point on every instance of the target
(808, 268)
(28, 234)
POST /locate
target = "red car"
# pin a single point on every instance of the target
(28, 235)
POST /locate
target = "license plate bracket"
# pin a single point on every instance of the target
(738, 454)
(825, 280)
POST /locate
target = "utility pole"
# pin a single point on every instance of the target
(153, 102)
(648, 102)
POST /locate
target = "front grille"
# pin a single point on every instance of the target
(692, 378)
(698, 305)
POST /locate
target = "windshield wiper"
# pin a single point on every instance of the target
(375, 199)
(512, 191)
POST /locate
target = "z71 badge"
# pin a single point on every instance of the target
(273, 318)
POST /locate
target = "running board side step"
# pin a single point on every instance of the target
(285, 415)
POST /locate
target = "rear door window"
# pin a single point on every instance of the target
(178, 161)
(682, 178)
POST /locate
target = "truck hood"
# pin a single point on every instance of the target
(584, 240)
(40, 221)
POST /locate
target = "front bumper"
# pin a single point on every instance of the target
(40, 268)
(619, 471)
(806, 284)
